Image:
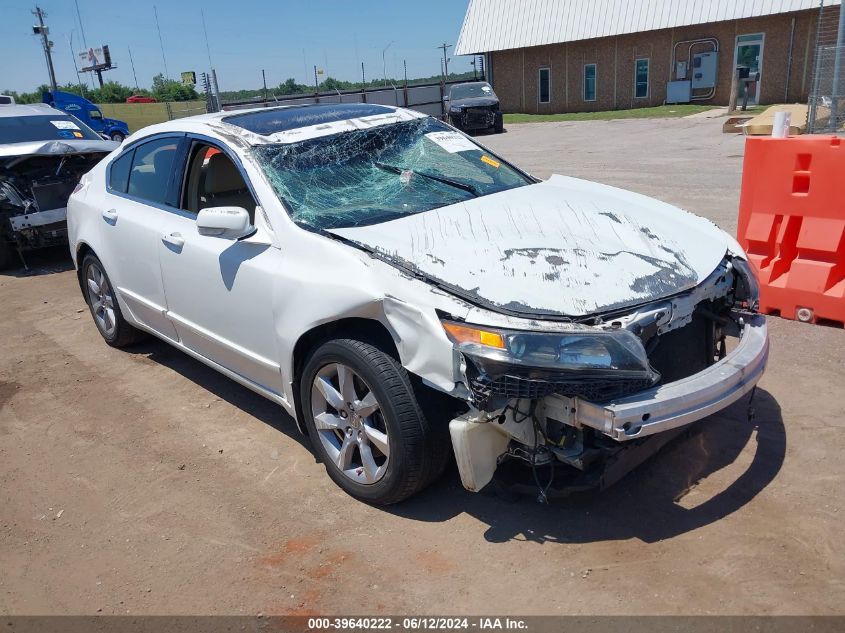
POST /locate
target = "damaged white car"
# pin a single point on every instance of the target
(43, 153)
(401, 290)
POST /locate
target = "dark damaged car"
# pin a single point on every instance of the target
(404, 292)
(43, 153)
(473, 107)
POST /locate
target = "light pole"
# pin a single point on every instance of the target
(384, 64)
(43, 31)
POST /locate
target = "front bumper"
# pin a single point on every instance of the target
(682, 402)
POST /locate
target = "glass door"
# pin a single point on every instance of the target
(749, 58)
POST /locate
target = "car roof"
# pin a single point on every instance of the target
(283, 124)
(33, 109)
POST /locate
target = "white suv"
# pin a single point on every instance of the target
(398, 289)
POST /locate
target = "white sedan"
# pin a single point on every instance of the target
(405, 293)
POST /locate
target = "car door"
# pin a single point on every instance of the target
(219, 290)
(140, 186)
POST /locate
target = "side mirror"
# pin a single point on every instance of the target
(227, 222)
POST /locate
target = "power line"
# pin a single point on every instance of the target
(161, 42)
(205, 31)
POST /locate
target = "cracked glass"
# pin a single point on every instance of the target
(365, 177)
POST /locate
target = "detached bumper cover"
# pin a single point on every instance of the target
(684, 401)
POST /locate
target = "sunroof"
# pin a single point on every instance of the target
(274, 120)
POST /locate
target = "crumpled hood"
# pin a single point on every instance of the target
(564, 247)
(46, 148)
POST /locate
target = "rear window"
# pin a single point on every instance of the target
(52, 127)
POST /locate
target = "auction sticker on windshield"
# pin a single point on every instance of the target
(452, 142)
(65, 125)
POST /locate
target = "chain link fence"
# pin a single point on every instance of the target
(826, 112)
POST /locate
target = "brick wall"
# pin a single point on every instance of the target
(515, 72)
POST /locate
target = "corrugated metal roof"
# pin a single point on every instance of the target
(495, 25)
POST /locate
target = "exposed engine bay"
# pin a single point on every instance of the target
(591, 420)
(33, 198)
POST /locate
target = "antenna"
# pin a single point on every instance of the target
(161, 42)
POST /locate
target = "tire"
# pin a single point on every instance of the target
(416, 451)
(499, 125)
(117, 137)
(7, 254)
(104, 307)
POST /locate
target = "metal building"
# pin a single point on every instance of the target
(547, 56)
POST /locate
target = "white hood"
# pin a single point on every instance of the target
(565, 247)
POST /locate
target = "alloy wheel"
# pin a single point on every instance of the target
(350, 423)
(101, 299)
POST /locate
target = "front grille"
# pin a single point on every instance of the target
(595, 390)
(478, 117)
(53, 195)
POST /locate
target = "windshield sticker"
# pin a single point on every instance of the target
(65, 134)
(65, 125)
(452, 142)
(77, 134)
(486, 89)
(490, 161)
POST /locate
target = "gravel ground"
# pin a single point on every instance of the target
(142, 482)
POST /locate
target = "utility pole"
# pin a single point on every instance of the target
(43, 31)
(445, 47)
(316, 83)
(264, 79)
(363, 77)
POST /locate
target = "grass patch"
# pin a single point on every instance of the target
(658, 112)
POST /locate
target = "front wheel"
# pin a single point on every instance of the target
(365, 423)
(118, 137)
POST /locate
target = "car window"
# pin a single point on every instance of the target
(95, 114)
(46, 127)
(151, 169)
(119, 172)
(213, 180)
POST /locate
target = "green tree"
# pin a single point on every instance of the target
(172, 90)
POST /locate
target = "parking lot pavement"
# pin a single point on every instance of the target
(140, 481)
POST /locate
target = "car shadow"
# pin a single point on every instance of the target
(656, 501)
(270, 413)
(44, 261)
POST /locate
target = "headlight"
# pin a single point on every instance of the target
(747, 288)
(583, 351)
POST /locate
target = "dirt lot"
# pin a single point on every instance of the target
(143, 482)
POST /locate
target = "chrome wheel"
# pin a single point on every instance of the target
(349, 423)
(101, 299)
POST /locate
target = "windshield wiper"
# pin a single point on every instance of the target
(446, 181)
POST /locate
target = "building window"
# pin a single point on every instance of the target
(545, 85)
(589, 82)
(641, 78)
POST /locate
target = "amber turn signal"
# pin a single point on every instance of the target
(467, 334)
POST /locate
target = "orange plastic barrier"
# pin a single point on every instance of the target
(792, 224)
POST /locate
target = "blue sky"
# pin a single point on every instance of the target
(245, 36)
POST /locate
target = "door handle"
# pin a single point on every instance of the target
(110, 215)
(174, 239)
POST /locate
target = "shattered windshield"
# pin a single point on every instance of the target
(467, 91)
(369, 176)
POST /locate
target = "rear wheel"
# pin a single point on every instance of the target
(366, 424)
(99, 295)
